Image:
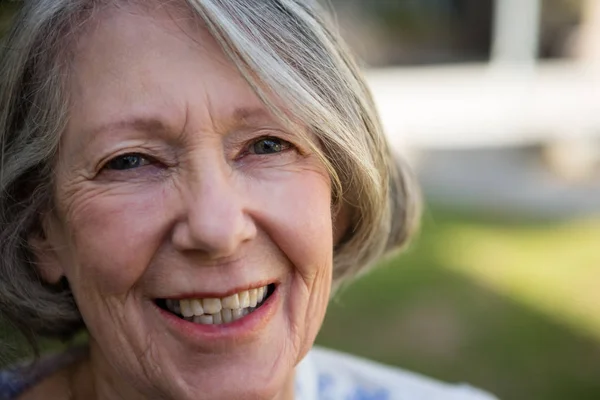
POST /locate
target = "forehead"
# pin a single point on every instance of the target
(148, 62)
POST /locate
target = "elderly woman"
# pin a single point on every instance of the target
(187, 181)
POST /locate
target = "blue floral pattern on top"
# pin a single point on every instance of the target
(361, 393)
(326, 382)
(327, 390)
(11, 385)
(16, 380)
(330, 375)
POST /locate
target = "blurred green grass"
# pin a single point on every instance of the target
(510, 306)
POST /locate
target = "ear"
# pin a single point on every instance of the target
(45, 255)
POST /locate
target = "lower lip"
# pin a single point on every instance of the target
(245, 327)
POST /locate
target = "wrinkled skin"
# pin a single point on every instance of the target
(199, 205)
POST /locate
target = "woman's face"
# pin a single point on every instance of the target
(175, 190)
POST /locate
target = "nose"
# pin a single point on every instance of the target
(214, 220)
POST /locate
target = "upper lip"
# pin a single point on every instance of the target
(214, 294)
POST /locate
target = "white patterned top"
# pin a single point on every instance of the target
(329, 375)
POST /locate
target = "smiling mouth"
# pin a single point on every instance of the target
(209, 311)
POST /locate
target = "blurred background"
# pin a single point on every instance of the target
(496, 105)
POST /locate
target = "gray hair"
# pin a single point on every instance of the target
(287, 47)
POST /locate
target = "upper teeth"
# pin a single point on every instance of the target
(218, 310)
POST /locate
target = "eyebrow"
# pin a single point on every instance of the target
(250, 115)
(151, 124)
(240, 116)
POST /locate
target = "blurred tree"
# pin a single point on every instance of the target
(417, 31)
(388, 32)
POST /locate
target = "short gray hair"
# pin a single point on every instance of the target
(287, 47)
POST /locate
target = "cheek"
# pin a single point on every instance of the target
(114, 238)
(297, 215)
(307, 240)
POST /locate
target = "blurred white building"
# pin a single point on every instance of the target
(513, 100)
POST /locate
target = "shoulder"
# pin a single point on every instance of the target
(332, 375)
(11, 384)
(35, 379)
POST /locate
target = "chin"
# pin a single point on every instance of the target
(261, 368)
(258, 373)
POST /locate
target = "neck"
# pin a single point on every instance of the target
(94, 379)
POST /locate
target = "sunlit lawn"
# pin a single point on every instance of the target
(510, 307)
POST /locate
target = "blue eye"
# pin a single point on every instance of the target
(127, 161)
(269, 145)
